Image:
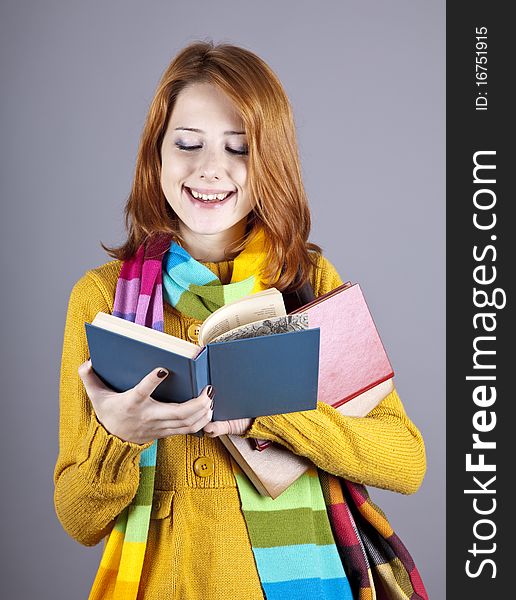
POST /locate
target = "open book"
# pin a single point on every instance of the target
(229, 319)
(260, 360)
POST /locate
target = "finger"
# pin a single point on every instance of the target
(183, 410)
(196, 426)
(84, 368)
(201, 423)
(92, 383)
(144, 388)
(204, 414)
(232, 427)
(203, 400)
(239, 426)
(216, 428)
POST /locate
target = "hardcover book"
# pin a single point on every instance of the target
(354, 376)
(352, 358)
(274, 371)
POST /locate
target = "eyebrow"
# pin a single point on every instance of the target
(201, 131)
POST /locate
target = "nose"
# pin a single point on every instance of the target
(210, 166)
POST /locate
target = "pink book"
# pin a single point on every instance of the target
(352, 359)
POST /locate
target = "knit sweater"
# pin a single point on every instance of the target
(198, 545)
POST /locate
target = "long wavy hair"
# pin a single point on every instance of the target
(278, 197)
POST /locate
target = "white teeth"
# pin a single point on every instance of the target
(208, 196)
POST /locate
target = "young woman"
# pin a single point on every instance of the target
(218, 205)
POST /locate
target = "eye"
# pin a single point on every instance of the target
(183, 147)
(241, 152)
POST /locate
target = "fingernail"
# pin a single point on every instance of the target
(162, 373)
(211, 405)
(211, 392)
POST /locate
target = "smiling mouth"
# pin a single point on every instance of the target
(207, 202)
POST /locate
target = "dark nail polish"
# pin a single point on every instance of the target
(210, 391)
(211, 405)
(162, 373)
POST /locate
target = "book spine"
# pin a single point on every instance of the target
(193, 378)
(342, 401)
(200, 372)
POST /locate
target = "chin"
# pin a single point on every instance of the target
(212, 228)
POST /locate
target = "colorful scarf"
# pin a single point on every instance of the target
(375, 559)
(138, 298)
(294, 537)
(196, 292)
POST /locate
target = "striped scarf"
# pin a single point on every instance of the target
(195, 291)
(292, 537)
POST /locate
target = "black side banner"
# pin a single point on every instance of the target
(481, 353)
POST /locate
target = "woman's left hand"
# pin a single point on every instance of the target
(235, 427)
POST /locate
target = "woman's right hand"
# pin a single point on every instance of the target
(134, 416)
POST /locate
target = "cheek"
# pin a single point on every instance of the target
(239, 175)
(173, 174)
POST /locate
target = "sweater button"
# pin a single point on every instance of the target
(193, 332)
(203, 466)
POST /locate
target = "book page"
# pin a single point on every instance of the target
(146, 334)
(281, 324)
(256, 307)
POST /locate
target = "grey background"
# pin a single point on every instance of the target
(366, 81)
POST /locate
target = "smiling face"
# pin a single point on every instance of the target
(204, 153)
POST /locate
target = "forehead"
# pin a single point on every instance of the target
(200, 104)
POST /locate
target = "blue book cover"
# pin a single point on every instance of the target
(266, 375)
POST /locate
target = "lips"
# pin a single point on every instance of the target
(208, 203)
(208, 191)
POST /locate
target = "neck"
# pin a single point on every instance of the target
(211, 247)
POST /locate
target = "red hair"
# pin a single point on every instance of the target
(278, 197)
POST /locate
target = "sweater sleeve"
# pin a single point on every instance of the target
(96, 473)
(383, 449)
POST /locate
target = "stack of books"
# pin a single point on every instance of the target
(261, 361)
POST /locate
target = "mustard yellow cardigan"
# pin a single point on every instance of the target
(198, 545)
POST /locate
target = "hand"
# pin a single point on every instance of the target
(134, 416)
(235, 427)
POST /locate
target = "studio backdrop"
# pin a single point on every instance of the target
(366, 82)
